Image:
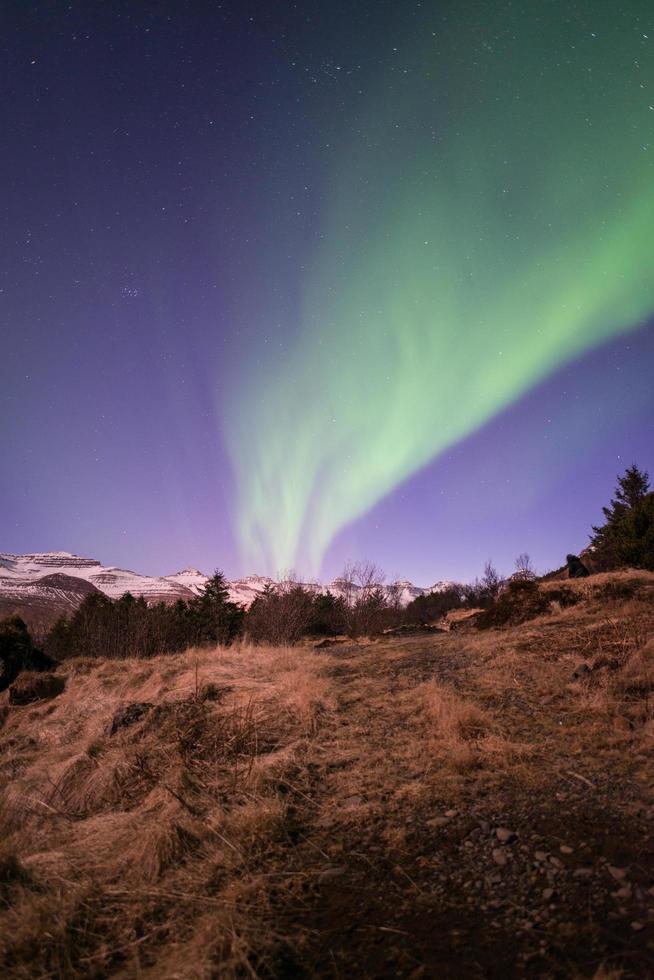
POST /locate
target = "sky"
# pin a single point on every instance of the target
(285, 285)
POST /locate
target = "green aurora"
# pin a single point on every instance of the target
(490, 217)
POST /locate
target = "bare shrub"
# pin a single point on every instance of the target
(367, 606)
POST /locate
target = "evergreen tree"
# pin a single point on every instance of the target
(627, 535)
(215, 619)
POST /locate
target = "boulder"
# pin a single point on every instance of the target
(576, 567)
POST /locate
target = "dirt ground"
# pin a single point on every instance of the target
(452, 805)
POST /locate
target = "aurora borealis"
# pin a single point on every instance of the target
(285, 285)
(487, 223)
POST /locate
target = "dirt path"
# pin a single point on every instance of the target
(468, 866)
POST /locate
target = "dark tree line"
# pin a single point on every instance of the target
(128, 627)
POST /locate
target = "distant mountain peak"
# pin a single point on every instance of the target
(43, 577)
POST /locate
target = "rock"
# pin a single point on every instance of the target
(637, 925)
(565, 849)
(541, 855)
(30, 687)
(330, 873)
(451, 813)
(582, 873)
(484, 826)
(214, 692)
(576, 567)
(618, 874)
(128, 714)
(547, 894)
(438, 822)
(557, 862)
(503, 835)
(499, 857)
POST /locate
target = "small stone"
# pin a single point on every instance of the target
(503, 835)
(582, 872)
(618, 874)
(557, 862)
(547, 894)
(451, 813)
(438, 822)
(540, 855)
(484, 826)
(499, 857)
(637, 925)
(332, 873)
(624, 892)
(565, 849)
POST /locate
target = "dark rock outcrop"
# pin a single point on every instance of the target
(576, 567)
(128, 714)
(31, 687)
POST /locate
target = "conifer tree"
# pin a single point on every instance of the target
(627, 535)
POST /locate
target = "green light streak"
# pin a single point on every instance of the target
(491, 219)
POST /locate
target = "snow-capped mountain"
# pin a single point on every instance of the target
(61, 580)
(113, 581)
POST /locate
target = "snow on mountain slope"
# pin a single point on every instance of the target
(17, 572)
(245, 590)
(190, 578)
(41, 563)
(114, 582)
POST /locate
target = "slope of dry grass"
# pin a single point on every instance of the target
(474, 804)
(149, 845)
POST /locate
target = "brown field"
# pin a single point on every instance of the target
(454, 805)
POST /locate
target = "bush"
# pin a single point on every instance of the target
(17, 652)
(427, 608)
(521, 600)
(280, 616)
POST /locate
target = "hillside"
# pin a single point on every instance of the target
(470, 803)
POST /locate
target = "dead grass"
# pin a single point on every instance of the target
(183, 845)
(118, 850)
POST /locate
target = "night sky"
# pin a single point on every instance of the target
(288, 284)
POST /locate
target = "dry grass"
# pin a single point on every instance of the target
(119, 850)
(187, 844)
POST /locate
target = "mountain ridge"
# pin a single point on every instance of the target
(25, 574)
